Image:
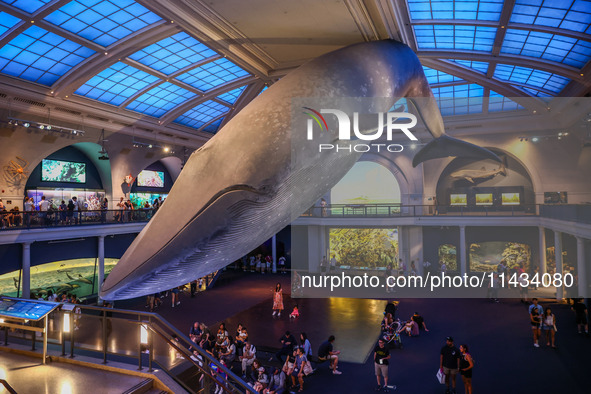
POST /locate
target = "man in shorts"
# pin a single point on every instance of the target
(535, 316)
(326, 352)
(449, 364)
(381, 355)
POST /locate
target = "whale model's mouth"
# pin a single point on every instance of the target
(203, 224)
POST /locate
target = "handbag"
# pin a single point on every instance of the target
(307, 368)
(440, 376)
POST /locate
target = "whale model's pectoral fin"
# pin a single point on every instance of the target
(445, 146)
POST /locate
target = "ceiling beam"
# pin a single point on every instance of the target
(516, 60)
(500, 34)
(577, 89)
(201, 21)
(209, 95)
(78, 75)
(202, 128)
(508, 25)
(402, 18)
(362, 19)
(388, 18)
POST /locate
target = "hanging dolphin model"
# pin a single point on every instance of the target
(260, 171)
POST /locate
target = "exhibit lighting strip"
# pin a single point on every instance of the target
(150, 145)
(43, 126)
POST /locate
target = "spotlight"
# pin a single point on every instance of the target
(48, 127)
(413, 146)
(535, 139)
(560, 134)
(10, 122)
(41, 126)
(26, 124)
(565, 134)
(74, 132)
(150, 146)
(559, 137)
(166, 149)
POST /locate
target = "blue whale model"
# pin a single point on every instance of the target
(260, 171)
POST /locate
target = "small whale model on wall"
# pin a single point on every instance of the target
(256, 175)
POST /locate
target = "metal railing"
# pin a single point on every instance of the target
(399, 210)
(143, 338)
(11, 220)
(36, 219)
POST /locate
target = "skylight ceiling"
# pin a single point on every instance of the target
(160, 79)
(532, 48)
(130, 55)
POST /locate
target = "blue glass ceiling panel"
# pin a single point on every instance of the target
(173, 53)
(459, 99)
(102, 21)
(40, 56)
(565, 14)
(471, 38)
(529, 76)
(481, 67)
(547, 46)
(483, 10)
(497, 103)
(533, 92)
(116, 84)
(29, 6)
(436, 76)
(7, 21)
(156, 102)
(212, 74)
(202, 114)
(231, 96)
(213, 127)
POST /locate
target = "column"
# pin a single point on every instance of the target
(274, 252)
(581, 268)
(401, 247)
(558, 257)
(463, 263)
(101, 261)
(26, 266)
(543, 267)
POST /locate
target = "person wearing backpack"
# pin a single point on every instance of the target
(466, 366)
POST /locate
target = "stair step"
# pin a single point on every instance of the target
(142, 387)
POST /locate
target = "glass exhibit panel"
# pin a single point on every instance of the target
(484, 199)
(448, 254)
(458, 199)
(486, 256)
(510, 199)
(367, 248)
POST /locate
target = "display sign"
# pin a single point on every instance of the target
(510, 199)
(24, 309)
(484, 199)
(149, 178)
(555, 198)
(63, 171)
(458, 199)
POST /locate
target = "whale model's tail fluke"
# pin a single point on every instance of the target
(445, 146)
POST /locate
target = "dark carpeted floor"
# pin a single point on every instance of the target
(499, 336)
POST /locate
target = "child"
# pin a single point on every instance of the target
(295, 313)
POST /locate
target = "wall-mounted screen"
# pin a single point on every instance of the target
(458, 199)
(149, 178)
(139, 199)
(364, 247)
(63, 171)
(484, 199)
(510, 198)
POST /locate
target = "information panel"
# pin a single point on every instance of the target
(25, 309)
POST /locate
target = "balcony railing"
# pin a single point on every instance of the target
(399, 210)
(37, 219)
(575, 213)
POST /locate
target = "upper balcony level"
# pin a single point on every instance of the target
(53, 225)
